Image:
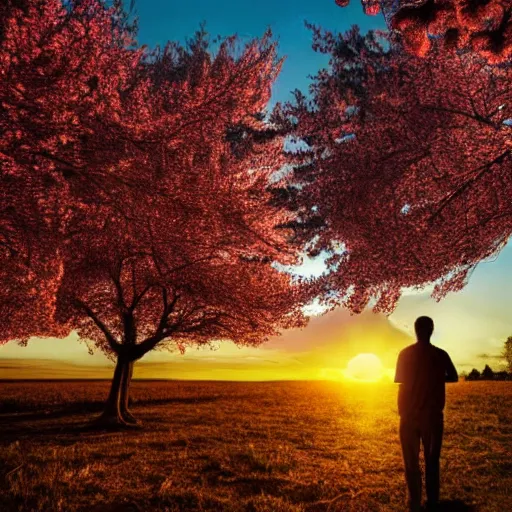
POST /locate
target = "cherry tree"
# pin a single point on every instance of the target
(138, 188)
(190, 256)
(483, 26)
(404, 173)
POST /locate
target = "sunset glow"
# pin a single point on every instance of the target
(365, 367)
(255, 256)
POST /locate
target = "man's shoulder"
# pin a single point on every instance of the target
(440, 351)
(408, 349)
(417, 348)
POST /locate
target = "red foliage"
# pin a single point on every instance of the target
(484, 26)
(53, 107)
(371, 7)
(408, 168)
(188, 255)
(150, 174)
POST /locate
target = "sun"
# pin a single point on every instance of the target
(365, 367)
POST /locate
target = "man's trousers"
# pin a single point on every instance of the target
(429, 431)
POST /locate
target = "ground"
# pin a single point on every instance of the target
(255, 447)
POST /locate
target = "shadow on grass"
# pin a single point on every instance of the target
(60, 434)
(59, 425)
(10, 414)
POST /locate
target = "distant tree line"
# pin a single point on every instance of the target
(488, 374)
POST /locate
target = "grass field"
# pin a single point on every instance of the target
(213, 446)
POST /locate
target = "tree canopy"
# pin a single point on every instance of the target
(403, 167)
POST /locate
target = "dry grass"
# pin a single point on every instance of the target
(211, 446)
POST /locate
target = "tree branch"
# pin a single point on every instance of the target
(481, 171)
(163, 330)
(113, 343)
(475, 116)
(115, 275)
(137, 298)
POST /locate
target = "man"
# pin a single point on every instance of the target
(422, 371)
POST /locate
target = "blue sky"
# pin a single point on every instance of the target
(161, 20)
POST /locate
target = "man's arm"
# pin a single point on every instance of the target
(400, 370)
(451, 372)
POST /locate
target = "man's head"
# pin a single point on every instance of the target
(424, 327)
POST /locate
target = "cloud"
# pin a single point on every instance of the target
(489, 356)
(338, 336)
(27, 369)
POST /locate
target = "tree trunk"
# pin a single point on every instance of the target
(112, 415)
(125, 394)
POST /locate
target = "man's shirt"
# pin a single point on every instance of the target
(422, 371)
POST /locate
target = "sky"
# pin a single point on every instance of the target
(471, 325)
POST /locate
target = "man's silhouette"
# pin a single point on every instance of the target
(422, 371)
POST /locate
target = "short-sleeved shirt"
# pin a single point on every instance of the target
(422, 371)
